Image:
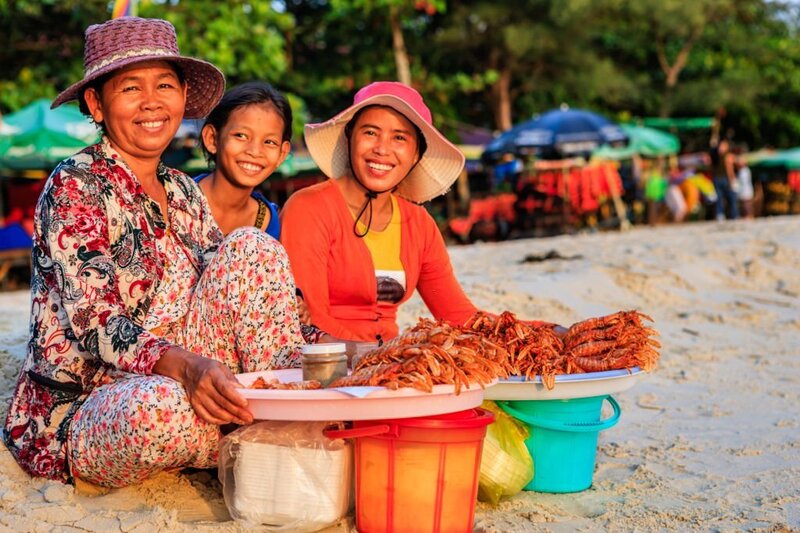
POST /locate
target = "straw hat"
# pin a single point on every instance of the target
(127, 40)
(435, 172)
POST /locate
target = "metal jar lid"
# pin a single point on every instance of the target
(324, 348)
(325, 351)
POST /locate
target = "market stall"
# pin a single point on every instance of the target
(777, 176)
(409, 425)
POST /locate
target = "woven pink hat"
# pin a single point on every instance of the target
(436, 171)
(124, 41)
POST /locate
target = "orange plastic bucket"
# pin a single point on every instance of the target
(417, 474)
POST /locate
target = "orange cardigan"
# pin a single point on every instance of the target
(334, 268)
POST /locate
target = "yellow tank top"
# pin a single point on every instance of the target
(384, 246)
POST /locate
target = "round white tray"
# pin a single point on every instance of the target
(567, 386)
(352, 403)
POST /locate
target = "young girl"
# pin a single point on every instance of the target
(246, 137)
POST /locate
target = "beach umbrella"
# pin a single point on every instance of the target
(37, 137)
(651, 142)
(648, 142)
(295, 164)
(614, 154)
(560, 132)
(789, 159)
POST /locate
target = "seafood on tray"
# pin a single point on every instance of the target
(531, 349)
(489, 346)
(611, 342)
(431, 353)
(276, 384)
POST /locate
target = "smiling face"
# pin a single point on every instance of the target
(249, 146)
(141, 108)
(383, 148)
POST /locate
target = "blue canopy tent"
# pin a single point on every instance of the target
(556, 134)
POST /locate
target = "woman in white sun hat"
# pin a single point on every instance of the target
(141, 312)
(358, 243)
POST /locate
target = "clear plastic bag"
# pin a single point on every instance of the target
(506, 464)
(286, 476)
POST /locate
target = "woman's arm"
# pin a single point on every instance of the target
(730, 170)
(437, 284)
(306, 235)
(440, 289)
(210, 386)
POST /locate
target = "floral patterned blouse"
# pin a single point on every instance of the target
(171, 300)
(96, 271)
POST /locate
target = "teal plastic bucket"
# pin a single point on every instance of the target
(563, 439)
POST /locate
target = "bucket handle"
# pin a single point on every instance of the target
(354, 433)
(577, 427)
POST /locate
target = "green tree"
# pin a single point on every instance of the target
(697, 58)
(41, 47)
(333, 52)
(521, 51)
(481, 62)
(398, 13)
(669, 32)
(245, 39)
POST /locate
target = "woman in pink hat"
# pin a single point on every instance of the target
(359, 243)
(141, 312)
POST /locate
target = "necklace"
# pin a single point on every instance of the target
(262, 214)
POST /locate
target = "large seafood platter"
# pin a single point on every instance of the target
(594, 357)
(429, 370)
(566, 386)
(434, 368)
(292, 401)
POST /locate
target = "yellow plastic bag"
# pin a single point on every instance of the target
(506, 465)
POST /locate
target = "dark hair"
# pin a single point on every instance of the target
(422, 144)
(250, 93)
(97, 85)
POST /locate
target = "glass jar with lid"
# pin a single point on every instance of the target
(325, 362)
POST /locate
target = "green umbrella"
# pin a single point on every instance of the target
(789, 159)
(651, 142)
(37, 137)
(645, 141)
(682, 124)
(614, 154)
(296, 164)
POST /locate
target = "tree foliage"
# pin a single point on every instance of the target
(529, 54)
(41, 46)
(481, 62)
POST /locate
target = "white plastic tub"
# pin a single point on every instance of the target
(281, 485)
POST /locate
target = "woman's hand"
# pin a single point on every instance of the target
(210, 386)
(303, 314)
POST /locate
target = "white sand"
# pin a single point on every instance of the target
(709, 441)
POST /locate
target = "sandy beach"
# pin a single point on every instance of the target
(709, 441)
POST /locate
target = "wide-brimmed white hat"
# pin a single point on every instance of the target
(435, 172)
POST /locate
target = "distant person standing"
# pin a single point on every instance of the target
(744, 181)
(722, 166)
(506, 173)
